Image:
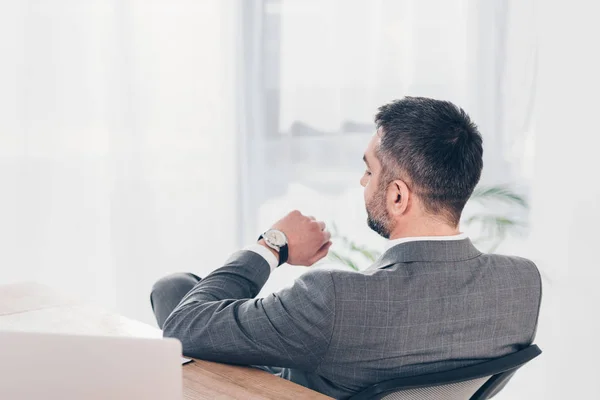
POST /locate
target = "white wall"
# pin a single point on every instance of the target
(117, 157)
(566, 204)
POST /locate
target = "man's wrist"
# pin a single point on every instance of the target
(271, 258)
(266, 246)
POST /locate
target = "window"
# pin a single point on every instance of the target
(316, 71)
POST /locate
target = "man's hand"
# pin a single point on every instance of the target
(308, 241)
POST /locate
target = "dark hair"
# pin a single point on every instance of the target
(436, 146)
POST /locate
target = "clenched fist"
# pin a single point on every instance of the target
(308, 241)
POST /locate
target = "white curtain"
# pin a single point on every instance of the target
(117, 144)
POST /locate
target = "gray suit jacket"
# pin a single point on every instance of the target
(423, 307)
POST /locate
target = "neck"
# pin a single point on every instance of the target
(423, 228)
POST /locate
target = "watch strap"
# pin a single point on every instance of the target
(283, 254)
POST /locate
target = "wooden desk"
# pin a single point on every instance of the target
(34, 307)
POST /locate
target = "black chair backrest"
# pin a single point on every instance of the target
(499, 371)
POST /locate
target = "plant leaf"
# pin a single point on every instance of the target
(498, 193)
(335, 256)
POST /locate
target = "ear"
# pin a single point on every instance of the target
(398, 197)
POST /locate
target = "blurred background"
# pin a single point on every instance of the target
(140, 138)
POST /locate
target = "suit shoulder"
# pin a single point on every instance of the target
(340, 277)
(317, 277)
(344, 274)
(523, 267)
(510, 260)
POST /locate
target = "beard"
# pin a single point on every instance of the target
(378, 217)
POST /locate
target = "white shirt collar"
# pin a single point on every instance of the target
(394, 242)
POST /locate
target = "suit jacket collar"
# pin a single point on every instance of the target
(428, 251)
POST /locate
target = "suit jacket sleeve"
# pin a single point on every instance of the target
(219, 319)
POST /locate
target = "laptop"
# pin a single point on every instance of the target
(56, 366)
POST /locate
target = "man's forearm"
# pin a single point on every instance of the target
(220, 320)
(242, 277)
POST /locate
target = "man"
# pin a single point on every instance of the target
(432, 302)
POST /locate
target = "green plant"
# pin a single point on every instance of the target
(352, 250)
(493, 227)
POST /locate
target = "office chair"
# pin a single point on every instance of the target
(475, 382)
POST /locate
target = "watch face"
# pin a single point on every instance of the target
(275, 237)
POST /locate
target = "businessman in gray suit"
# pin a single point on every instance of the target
(432, 302)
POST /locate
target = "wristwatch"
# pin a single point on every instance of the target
(277, 241)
